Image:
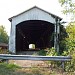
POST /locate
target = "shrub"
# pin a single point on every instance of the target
(42, 52)
(70, 66)
(4, 51)
(51, 52)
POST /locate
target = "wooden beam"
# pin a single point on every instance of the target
(56, 35)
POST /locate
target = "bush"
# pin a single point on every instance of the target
(48, 52)
(51, 52)
(4, 51)
(42, 52)
(70, 66)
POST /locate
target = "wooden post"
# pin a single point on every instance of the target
(58, 32)
(63, 66)
(56, 35)
(7, 61)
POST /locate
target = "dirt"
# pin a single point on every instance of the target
(29, 63)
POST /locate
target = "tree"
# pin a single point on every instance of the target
(71, 35)
(69, 42)
(70, 45)
(69, 7)
(63, 35)
(71, 30)
(3, 35)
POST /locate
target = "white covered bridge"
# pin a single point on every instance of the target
(34, 26)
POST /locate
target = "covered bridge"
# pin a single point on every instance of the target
(34, 26)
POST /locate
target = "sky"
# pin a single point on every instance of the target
(9, 8)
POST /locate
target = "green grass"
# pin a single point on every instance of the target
(7, 69)
(11, 69)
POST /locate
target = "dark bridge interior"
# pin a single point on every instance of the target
(34, 32)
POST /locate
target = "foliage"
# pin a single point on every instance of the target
(11, 69)
(42, 52)
(70, 46)
(4, 51)
(9, 66)
(69, 7)
(7, 69)
(62, 42)
(48, 52)
(3, 35)
(70, 66)
(63, 33)
(70, 40)
(51, 52)
(71, 30)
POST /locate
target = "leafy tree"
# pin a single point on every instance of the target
(71, 35)
(69, 7)
(63, 35)
(70, 45)
(3, 35)
(71, 30)
(69, 42)
(63, 32)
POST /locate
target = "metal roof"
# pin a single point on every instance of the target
(55, 16)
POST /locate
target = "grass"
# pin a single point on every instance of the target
(11, 69)
(7, 69)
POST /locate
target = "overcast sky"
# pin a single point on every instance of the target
(9, 8)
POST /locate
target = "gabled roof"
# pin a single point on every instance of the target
(3, 44)
(10, 19)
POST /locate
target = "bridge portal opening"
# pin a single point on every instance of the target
(31, 46)
(36, 32)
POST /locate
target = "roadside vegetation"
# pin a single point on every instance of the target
(4, 51)
(11, 69)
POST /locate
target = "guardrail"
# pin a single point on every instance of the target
(31, 57)
(39, 58)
